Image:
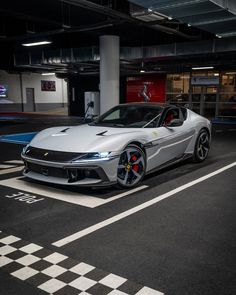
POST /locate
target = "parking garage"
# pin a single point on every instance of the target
(64, 64)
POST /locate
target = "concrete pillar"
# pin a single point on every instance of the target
(109, 72)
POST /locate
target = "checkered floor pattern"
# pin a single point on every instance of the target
(58, 274)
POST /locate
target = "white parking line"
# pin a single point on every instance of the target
(136, 209)
(3, 166)
(11, 170)
(17, 162)
(116, 197)
(63, 195)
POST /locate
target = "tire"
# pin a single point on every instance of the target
(202, 146)
(132, 166)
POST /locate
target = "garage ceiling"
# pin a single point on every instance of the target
(215, 16)
(74, 27)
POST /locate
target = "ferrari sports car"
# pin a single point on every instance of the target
(119, 147)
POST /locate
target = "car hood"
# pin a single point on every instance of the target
(86, 138)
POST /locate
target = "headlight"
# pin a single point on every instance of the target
(103, 156)
(25, 148)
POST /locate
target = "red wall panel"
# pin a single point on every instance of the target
(150, 87)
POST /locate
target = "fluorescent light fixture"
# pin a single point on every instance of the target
(142, 71)
(47, 74)
(189, 25)
(202, 68)
(216, 74)
(218, 36)
(150, 10)
(229, 34)
(36, 43)
(170, 17)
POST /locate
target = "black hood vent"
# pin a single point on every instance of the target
(102, 133)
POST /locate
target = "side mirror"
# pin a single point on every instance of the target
(94, 117)
(175, 123)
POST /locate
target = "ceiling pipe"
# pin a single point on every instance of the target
(119, 15)
(93, 27)
(174, 31)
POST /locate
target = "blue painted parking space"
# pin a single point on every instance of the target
(19, 138)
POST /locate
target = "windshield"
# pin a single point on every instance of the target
(130, 116)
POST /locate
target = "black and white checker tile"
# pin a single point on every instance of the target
(58, 274)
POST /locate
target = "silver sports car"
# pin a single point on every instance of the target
(120, 146)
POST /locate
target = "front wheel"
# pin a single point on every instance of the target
(202, 146)
(131, 167)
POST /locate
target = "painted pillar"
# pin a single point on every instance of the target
(109, 72)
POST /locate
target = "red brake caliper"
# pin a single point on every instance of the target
(134, 158)
(135, 167)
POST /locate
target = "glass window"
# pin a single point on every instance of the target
(228, 87)
(227, 105)
(132, 116)
(177, 88)
(178, 83)
(113, 116)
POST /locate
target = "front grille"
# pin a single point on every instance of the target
(47, 171)
(71, 174)
(52, 156)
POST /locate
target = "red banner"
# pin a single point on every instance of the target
(146, 88)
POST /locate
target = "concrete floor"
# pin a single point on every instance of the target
(182, 245)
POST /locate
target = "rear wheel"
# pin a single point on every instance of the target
(202, 146)
(131, 167)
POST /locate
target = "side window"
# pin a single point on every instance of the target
(170, 115)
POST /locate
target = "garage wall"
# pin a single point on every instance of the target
(44, 100)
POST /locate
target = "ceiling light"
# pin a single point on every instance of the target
(218, 36)
(142, 71)
(202, 68)
(189, 25)
(216, 74)
(170, 17)
(150, 10)
(229, 34)
(66, 26)
(36, 43)
(47, 74)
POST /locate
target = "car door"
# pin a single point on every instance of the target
(171, 142)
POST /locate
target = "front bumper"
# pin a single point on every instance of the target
(84, 173)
